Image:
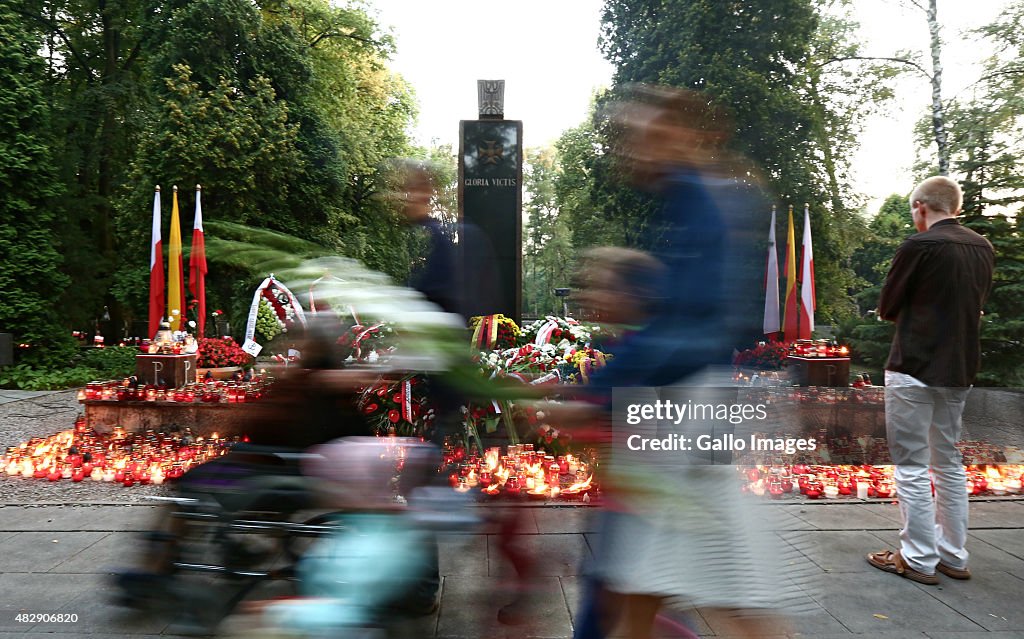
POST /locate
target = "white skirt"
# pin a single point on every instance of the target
(688, 532)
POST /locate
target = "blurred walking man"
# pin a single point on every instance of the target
(935, 290)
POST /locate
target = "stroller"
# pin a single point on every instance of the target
(240, 521)
(356, 580)
(327, 523)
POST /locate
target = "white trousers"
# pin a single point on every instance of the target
(923, 425)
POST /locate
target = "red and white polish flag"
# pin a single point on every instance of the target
(808, 297)
(156, 271)
(197, 264)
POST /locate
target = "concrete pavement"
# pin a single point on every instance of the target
(55, 559)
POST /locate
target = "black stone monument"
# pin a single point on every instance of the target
(491, 195)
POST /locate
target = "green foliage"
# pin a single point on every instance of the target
(25, 377)
(111, 362)
(797, 112)
(87, 365)
(283, 110)
(29, 259)
(887, 229)
(548, 240)
(1002, 329)
(870, 340)
(986, 155)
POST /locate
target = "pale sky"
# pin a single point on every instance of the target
(546, 51)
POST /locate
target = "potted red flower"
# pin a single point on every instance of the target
(221, 357)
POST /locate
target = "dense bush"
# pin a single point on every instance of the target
(91, 364)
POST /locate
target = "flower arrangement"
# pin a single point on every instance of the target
(525, 362)
(494, 332)
(398, 408)
(369, 343)
(764, 356)
(556, 330)
(218, 352)
(578, 364)
(268, 324)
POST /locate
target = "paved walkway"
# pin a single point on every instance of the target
(7, 395)
(54, 559)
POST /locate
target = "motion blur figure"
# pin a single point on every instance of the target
(312, 403)
(459, 266)
(675, 529)
(353, 579)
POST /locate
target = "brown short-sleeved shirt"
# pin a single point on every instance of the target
(935, 290)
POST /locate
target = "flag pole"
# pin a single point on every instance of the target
(156, 270)
(772, 324)
(197, 264)
(807, 292)
(790, 332)
(175, 283)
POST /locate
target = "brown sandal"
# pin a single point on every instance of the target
(955, 573)
(893, 562)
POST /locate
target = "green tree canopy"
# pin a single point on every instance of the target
(29, 259)
(795, 114)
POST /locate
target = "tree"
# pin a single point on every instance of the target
(285, 112)
(237, 141)
(30, 263)
(869, 337)
(985, 147)
(910, 62)
(548, 246)
(93, 51)
(887, 229)
(768, 63)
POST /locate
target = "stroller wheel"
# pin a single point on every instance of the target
(142, 590)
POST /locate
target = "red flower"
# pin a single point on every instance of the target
(220, 352)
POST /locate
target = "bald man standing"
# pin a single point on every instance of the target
(938, 283)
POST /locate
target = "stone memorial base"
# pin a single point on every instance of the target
(173, 370)
(819, 371)
(225, 419)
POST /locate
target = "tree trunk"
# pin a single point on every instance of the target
(834, 188)
(938, 116)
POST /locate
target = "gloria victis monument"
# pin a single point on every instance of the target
(490, 190)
